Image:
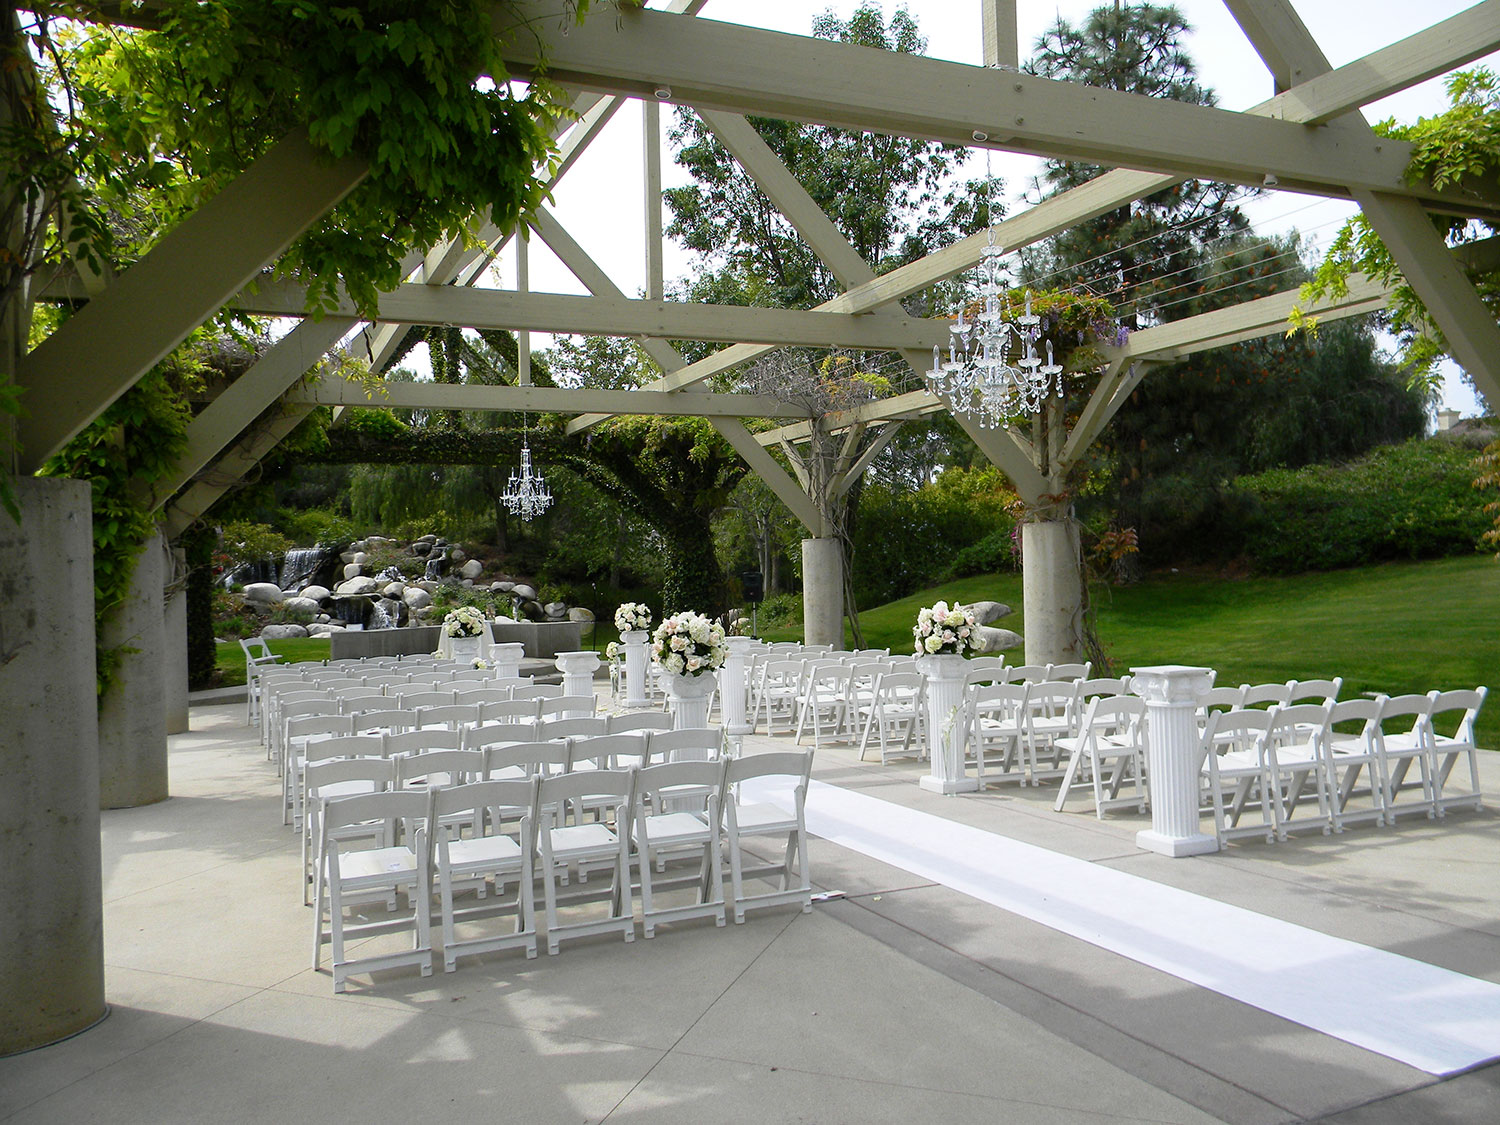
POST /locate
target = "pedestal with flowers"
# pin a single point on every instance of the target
(463, 629)
(943, 634)
(633, 619)
(688, 649)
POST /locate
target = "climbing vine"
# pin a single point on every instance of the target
(141, 435)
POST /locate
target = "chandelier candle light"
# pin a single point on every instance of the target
(526, 494)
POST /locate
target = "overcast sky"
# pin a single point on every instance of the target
(593, 203)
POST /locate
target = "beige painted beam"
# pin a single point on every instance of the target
(866, 458)
(912, 404)
(746, 70)
(335, 390)
(1002, 46)
(1426, 262)
(74, 375)
(1456, 41)
(222, 420)
(1264, 314)
(770, 471)
(229, 470)
(616, 316)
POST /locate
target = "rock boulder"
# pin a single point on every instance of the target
(282, 632)
(987, 613)
(263, 593)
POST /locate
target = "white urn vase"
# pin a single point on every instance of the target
(689, 697)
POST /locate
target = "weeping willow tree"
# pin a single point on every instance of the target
(674, 474)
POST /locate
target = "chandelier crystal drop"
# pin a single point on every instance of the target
(526, 493)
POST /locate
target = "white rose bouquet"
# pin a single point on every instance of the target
(689, 644)
(945, 630)
(465, 621)
(632, 616)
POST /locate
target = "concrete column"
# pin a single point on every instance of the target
(822, 592)
(133, 713)
(1172, 692)
(1052, 592)
(52, 925)
(175, 655)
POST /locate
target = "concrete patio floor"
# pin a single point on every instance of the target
(902, 1001)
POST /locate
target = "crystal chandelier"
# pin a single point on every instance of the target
(526, 494)
(993, 371)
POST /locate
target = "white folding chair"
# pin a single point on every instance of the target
(1051, 713)
(258, 657)
(825, 705)
(453, 716)
(392, 721)
(1457, 711)
(1403, 739)
(1075, 671)
(899, 706)
(299, 732)
(638, 720)
(567, 707)
(359, 876)
(995, 722)
(537, 691)
(512, 710)
(1350, 754)
(1233, 750)
(571, 728)
(563, 841)
(1110, 735)
(744, 819)
(423, 697)
(662, 833)
(489, 853)
(778, 694)
(1296, 753)
(330, 778)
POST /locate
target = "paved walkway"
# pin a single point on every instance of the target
(902, 1001)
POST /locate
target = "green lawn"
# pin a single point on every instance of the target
(1393, 628)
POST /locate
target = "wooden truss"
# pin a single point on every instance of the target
(1310, 136)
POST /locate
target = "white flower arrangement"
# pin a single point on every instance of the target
(479, 663)
(633, 616)
(612, 650)
(945, 630)
(689, 644)
(465, 621)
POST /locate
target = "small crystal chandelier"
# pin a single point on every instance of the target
(526, 494)
(993, 372)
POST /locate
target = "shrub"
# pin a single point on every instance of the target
(1401, 502)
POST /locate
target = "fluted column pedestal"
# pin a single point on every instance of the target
(507, 657)
(578, 669)
(1172, 692)
(634, 643)
(945, 736)
(733, 688)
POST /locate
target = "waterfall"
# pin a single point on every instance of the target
(437, 562)
(390, 574)
(299, 565)
(380, 617)
(259, 570)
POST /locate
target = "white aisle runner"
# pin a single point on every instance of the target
(1427, 1017)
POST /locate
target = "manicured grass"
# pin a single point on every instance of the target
(230, 659)
(1393, 628)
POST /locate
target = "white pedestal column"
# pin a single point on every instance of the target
(634, 643)
(507, 659)
(734, 688)
(945, 735)
(465, 649)
(578, 674)
(1171, 692)
(688, 698)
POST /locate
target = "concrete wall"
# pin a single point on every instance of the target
(543, 639)
(133, 712)
(362, 643)
(51, 925)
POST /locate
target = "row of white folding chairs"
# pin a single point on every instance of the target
(262, 664)
(1296, 754)
(312, 720)
(342, 765)
(525, 832)
(1024, 721)
(779, 687)
(357, 696)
